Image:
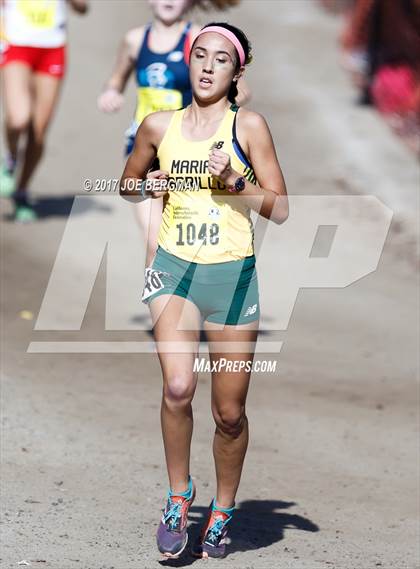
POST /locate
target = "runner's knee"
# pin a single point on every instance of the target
(18, 122)
(230, 420)
(178, 391)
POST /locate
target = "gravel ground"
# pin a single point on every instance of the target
(331, 475)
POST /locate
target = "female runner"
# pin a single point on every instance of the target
(158, 55)
(33, 62)
(204, 268)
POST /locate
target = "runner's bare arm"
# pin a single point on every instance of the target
(148, 137)
(111, 98)
(255, 138)
(79, 6)
(263, 157)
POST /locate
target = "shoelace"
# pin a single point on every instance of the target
(173, 514)
(215, 530)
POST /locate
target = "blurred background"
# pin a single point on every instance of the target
(330, 476)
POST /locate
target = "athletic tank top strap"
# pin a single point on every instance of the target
(185, 32)
(174, 138)
(144, 48)
(146, 53)
(226, 130)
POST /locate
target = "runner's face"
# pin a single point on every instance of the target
(212, 66)
(169, 11)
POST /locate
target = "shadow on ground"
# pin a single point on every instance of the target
(49, 206)
(256, 524)
(61, 206)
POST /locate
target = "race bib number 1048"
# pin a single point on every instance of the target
(190, 233)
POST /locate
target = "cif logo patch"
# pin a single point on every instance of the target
(214, 213)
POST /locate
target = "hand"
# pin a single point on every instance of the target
(219, 166)
(157, 175)
(80, 6)
(110, 100)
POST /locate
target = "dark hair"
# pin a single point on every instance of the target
(245, 43)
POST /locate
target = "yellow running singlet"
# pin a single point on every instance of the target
(202, 221)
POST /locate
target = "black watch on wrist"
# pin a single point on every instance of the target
(238, 186)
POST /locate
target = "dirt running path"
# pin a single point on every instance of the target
(330, 479)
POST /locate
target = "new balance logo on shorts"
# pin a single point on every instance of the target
(251, 310)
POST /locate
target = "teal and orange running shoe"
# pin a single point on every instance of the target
(212, 540)
(172, 535)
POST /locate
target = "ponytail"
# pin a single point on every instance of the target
(233, 92)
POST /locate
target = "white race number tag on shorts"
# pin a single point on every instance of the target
(152, 282)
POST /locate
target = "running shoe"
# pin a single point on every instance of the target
(212, 540)
(172, 535)
(7, 181)
(24, 210)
